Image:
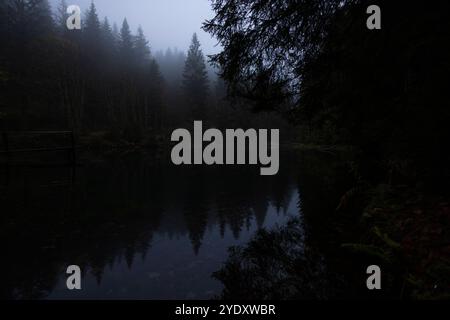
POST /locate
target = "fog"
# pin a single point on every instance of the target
(166, 23)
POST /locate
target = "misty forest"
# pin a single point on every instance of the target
(364, 132)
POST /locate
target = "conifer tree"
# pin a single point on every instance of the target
(141, 48)
(42, 15)
(61, 17)
(92, 33)
(116, 33)
(107, 35)
(126, 42)
(195, 79)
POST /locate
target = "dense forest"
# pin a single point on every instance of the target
(382, 94)
(311, 68)
(102, 81)
(84, 80)
(382, 91)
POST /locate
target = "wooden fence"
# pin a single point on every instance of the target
(20, 142)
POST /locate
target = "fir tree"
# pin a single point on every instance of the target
(107, 35)
(61, 17)
(195, 79)
(92, 33)
(141, 47)
(42, 15)
(126, 43)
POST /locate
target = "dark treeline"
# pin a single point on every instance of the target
(380, 92)
(97, 78)
(102, 80)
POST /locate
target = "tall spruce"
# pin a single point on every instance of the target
(61, 17)
(126, 43)
(141, 48)
(195, 79)
(107, 37)
(92, 32)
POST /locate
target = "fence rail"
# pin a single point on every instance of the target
(9, 136)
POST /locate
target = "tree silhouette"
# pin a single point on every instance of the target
(141, 47)
(61, 17)
(195, 79)
(126, 43)
(42, 14)
(91, 32)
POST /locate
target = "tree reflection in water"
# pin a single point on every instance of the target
(138, 227)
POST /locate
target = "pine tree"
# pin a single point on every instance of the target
(116, 33)
(42, 14)
(108, 40)
(29, 18)
(156, 84)
(108, 43)
(195, 79)
(92, 33)
(61, 17)
(141, 48)
(126, 43)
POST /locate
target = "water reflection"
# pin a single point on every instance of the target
(138, 227)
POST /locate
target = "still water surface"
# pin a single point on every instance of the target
(139, 227)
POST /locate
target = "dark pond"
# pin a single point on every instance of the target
(141, 228)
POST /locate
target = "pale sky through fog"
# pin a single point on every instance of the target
(166, 23)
